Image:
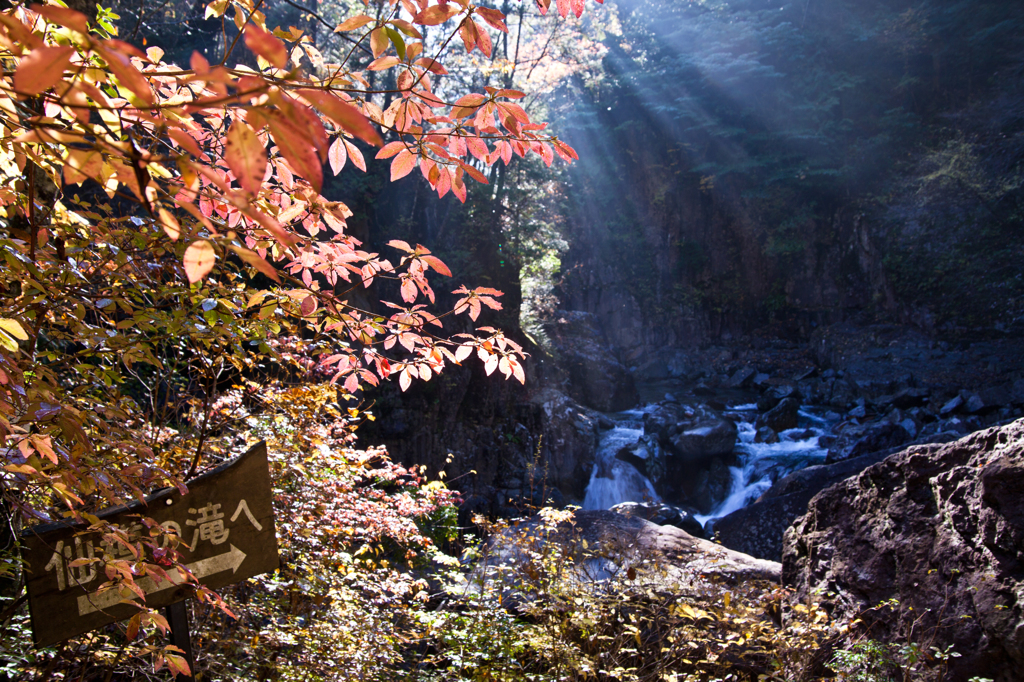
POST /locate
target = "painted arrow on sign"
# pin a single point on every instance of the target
(97, 601)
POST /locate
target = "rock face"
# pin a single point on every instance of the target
(595, 377)
(938, 528)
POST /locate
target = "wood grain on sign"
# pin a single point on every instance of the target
(226, 520)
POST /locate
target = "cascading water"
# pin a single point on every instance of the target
(613, 481)
(757, 466)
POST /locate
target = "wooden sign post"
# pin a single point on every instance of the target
(226, 526)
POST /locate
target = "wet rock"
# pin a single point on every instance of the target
(867, 439)
(703, 439)
(859, 412)
(691, 433)
(663, 515)
(974, 404)
(742, 378)
(781, 417)
(939, 529)
(765, 434)
(952, 406)
(775, 395)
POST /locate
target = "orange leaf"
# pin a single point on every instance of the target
(438, 14)
(253, 259)
(199, 260)
(390, 149)
(169, 223)
(379, 41)
(337, 156)
(246, 157)
(343, 114)
(63, 16)
(493, 17)
(402, 165)
(264, 44)
(355, 156)
(186, 141)
(127, 74)
(41, 69)
(384, 63)
(435, 262)
(352, 23)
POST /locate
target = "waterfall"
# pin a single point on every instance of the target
(757, 467)
(613, 481)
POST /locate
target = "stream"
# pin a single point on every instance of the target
(756, 468)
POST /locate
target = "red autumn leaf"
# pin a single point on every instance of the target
(199, 260)
(459, 187)
(483, 38)
(437, 14)
(431, 65)
(343, 114)
(493, 17)
(353, 23)
(337, 155)
(297, 149)
(474, 173)
(266, 45)
(468, 33)
(477, 147)
(246, 157)
(577, 7)
(565, 151)
(199, 64)
(41, 68)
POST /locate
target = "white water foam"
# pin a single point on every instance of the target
(758, 465)
(613, 481)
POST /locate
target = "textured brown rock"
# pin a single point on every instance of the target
(940, 529)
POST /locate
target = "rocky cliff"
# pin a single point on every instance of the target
(926, 548)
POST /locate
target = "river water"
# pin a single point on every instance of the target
(757, 465)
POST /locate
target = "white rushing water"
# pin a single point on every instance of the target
(613, 481)
(757, 466)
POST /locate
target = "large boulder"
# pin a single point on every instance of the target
(783, 416)
(603, 542)
(937, 529)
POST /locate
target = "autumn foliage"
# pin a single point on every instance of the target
(163, 229)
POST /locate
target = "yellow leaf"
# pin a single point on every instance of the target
(14, 328)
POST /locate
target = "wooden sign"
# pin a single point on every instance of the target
(226, 526)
